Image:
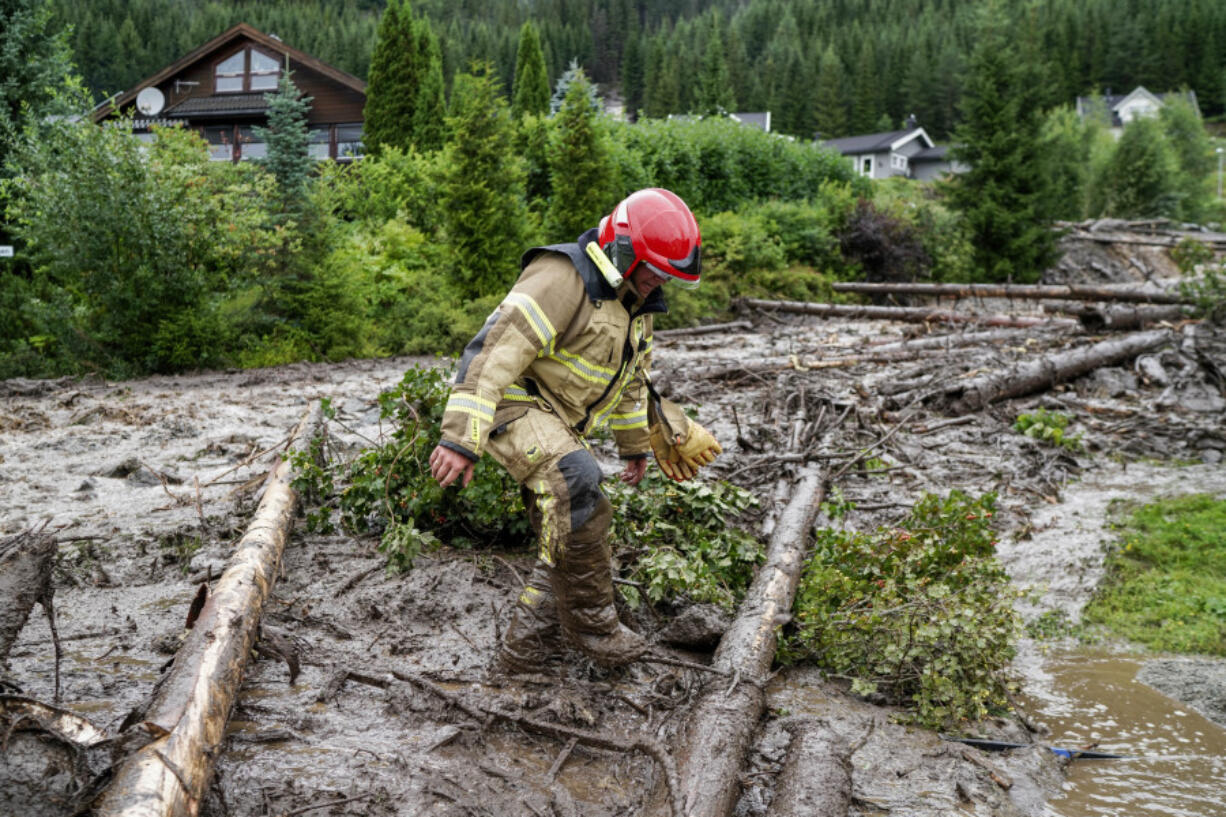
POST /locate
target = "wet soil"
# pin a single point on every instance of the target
(148, 484)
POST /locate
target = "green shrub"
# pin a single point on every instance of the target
(1049, 427)
(389, 486)
(682, 541)
(920, 614)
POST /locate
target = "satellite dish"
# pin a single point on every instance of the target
(150, 101)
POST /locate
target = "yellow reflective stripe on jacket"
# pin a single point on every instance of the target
(535, 316)
(478, 407)
(602, 415)
(626, 422)
(516, 394)
(589, 371)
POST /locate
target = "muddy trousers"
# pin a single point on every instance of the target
(570, 590)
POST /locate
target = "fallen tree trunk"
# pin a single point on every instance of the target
(910, 314)
(1039, 375)
(703, 330)
(1120, 316)
(192, 702)
(25, 578)
(713, 742)
(816, 777)
(1033, 291)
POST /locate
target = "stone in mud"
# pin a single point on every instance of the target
(1112, 381)
(699, 625)
(133, 470)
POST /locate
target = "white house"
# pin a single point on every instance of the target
(908, 152)
(1120, 110)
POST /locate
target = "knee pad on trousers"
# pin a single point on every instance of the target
(588, 504)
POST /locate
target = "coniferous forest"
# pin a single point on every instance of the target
(872, 62)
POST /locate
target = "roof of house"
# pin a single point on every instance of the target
(758, 119)
(937, 153)
(218, 105)
(877, 142)
(239, 31)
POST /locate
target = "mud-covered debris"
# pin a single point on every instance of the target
(1198, 682)
(700, 626)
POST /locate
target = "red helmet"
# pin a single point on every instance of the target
(654, 227)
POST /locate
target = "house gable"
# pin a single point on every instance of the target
(219, 90)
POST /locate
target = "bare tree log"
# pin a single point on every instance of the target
(1032, 291)
(25, 578)
(719, 729)
(1038, 375)
(702, 330)
(904, 313)
(816, 777)
(954, 340)
(1120, 316)
(192, 702)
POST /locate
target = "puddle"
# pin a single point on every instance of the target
(1177, 758)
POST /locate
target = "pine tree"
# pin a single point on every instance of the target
(714, 84)
(866, 105)
(1193, 153)
(395, 74)
(288, 140)
(1142, 176)
(429, 125)
(1001, 192)
(830, 96)
(569, 77)
(583, 173)
(483, 186)
(530, 90)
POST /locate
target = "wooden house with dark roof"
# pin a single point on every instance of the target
(219, 88)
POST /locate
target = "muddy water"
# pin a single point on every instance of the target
(1177, 758)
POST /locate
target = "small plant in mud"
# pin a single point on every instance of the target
(681, 540)
(1165, 585)
(1051, 625)
(920, 614)
(1049, 426)
(388, 486)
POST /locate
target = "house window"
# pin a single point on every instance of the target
(221, 142)
(349, 141)
(867, 167)
(898, 162)
(250, 145)
(248, 70)
(320, 144)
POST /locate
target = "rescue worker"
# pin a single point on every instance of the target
(566, 353)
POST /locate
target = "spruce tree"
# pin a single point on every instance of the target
(633, 76)
(530, 90)
(714, 84)
(830, 96)
(288, 140)
(584, 176)
(866, 105)
(1001, 192)
(1142, 178)
(429, 115)
(483, 186)
(395, 75)
(1193, 153)
(569, 77)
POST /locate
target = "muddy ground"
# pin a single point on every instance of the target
(148, 484)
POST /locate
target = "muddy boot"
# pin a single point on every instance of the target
(533, 638)
(583, 583)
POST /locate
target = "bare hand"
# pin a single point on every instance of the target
(634, 471)
(446, 465)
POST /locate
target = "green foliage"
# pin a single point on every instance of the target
(682, 539)
(388, 487)
(1166, 577)
(1001, 193)
(715, 92)
(1208, 289)
(1049, 427)
(288, 142)
(482, 191)
(530, 91)
(584, 176)
(429, 117)
(1142, 175)
(920, 614)
(404, 95)
(34, 70)
(1193, 154)
(135, 248)
(574, 73)
(830, 96)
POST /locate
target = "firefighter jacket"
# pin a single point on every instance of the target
(562, 339)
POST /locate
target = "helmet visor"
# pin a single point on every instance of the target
(668, 277)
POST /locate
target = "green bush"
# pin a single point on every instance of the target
(389, 487)
(681, 540)
(920, 614)
(1049, 427)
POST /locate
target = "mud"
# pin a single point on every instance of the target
(148, 484)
